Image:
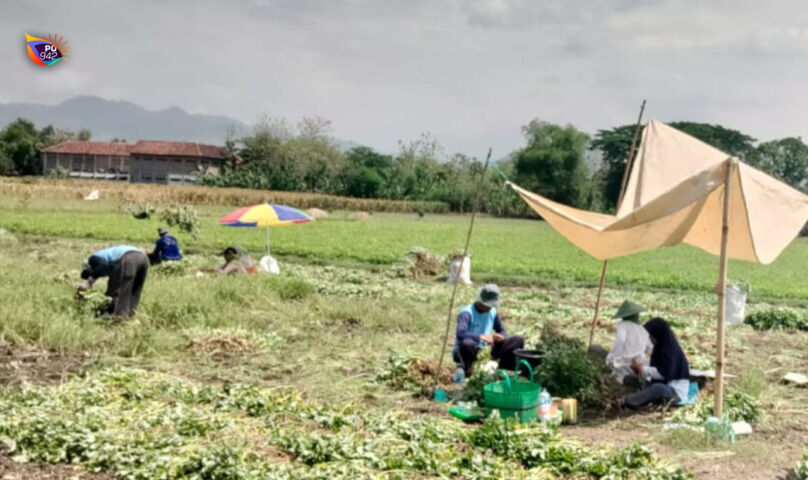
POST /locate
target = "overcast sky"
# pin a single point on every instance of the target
(470, 72)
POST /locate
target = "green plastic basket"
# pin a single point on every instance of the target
(512, 395)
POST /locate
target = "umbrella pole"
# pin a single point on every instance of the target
(626, 171)
(457, 280)
(722, 292)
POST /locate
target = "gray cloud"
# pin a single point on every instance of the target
(469, 71)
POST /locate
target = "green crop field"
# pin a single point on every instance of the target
(321, 372)
(502, 249)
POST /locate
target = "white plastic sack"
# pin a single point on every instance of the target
(460, 270)
(269, 265)
(736, 306)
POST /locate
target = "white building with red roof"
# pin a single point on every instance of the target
(146, 161)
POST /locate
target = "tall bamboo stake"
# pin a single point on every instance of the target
(722, 292)
(626, 171)
(457, 280)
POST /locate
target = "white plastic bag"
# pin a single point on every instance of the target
(92, 195)
(269, 265)
(460, 270)
(736, 305)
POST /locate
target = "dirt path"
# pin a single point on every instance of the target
(11, 470)
(30, 365)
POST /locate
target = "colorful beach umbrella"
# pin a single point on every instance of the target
(265, 215)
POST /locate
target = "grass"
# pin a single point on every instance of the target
(506, 250)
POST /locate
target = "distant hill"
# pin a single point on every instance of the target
(108, 119)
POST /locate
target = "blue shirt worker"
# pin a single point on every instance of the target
(126, 266)
(478, 326)
(166, 248)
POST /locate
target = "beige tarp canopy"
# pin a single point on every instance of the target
(675, 195)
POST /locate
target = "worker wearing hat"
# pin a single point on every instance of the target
(166, 249)
(478, 326)
(632, 344)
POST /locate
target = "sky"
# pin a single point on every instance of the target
(469, 72)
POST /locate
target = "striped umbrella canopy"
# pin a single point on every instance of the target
(265, 215)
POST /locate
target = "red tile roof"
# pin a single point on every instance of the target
(178, 149)
(78, 147)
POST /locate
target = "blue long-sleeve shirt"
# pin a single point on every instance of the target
(167, 248)
(463, 321)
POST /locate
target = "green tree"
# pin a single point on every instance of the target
(22, 146)
(552, 163)
(367, 173)
(787, 159)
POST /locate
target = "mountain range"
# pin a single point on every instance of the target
(108, 119)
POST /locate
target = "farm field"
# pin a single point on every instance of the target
(278, 377)
(506, 250)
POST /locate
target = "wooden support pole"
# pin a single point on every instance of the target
(722, 292)
(597, 303)
(626, 171)
(457, 280)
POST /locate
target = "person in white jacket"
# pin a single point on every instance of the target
(632, 345)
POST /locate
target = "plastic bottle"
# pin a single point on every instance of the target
(459, 376)
(545, 400)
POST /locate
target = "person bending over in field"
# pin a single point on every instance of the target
(166, 248)
(126, 266)
(479, 325)
(631, 345)
(236, 261)
(668, 371)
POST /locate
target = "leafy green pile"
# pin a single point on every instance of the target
(776, 319)
(397, 372)
(141, 425)
(183, 217)
(173, 268)
(738, 406)
(93, 303)
(567, 370)
(801, 472)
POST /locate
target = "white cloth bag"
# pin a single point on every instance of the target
(460, 270)
(269, 265)
(736, 306)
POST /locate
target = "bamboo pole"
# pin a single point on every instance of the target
(457, 280)
(597, 303)
(722, 292)
(626, 171)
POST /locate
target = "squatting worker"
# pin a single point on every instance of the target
(668, 370)
(126, 266)
(479, 325)
(632, 344)
(236, 261)
(166, 248)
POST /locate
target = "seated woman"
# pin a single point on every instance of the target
(668, 370)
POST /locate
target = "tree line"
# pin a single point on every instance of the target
(559, 162)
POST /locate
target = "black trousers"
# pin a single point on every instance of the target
(466, 353)
(126, 283)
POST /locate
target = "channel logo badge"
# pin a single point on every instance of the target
(47, 52)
